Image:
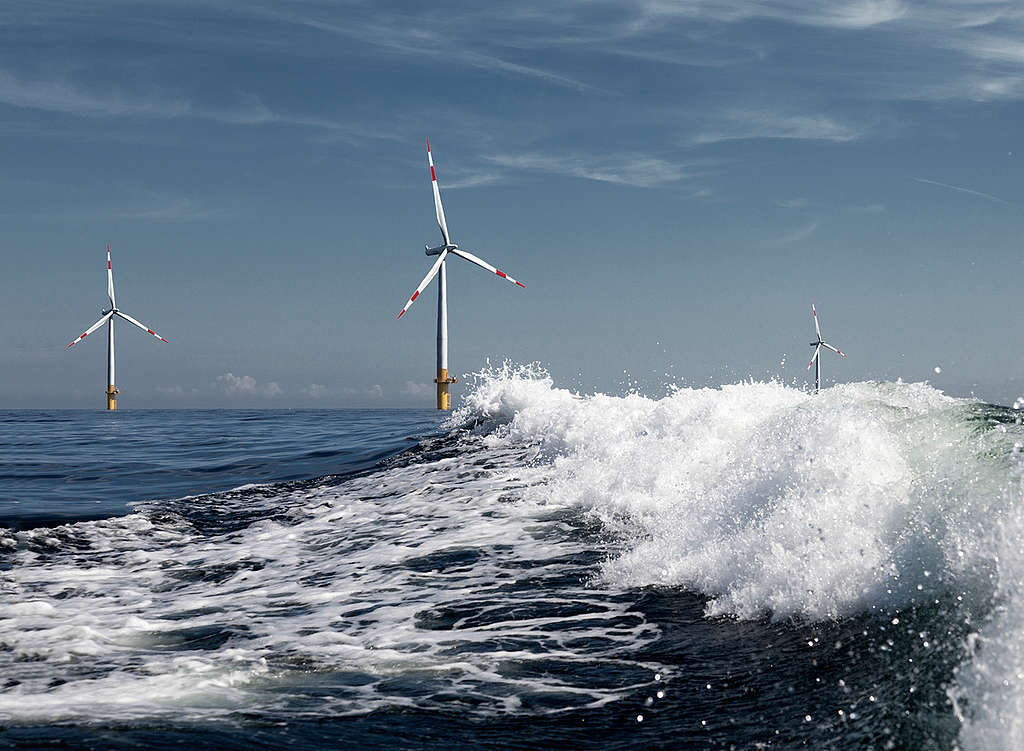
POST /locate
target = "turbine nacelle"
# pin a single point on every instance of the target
(439, 249)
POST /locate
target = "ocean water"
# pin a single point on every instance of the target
(743, 567)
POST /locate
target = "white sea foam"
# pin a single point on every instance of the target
(763, 497)
(406, 576)
(774, 501)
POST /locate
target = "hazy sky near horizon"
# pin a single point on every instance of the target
(673, 182)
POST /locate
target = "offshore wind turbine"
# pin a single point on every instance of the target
(815, 359)
(440, 265)
(108, 318)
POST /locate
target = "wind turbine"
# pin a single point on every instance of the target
(441, 251)
(815, 359)
(108, 318)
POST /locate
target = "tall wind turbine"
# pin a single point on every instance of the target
(441, 251)
(108, 318)
(815, 359)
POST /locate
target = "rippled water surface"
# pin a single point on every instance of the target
(739, 567)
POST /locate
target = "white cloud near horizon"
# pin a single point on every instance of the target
(315, 391)
(231, 385)
(375, 392)
(413, 388)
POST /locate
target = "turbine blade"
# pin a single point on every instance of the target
(110, 280)
(131, 320)
(438, 208)
(426, 280)
(815, 314)
(826, 344)
(91, 329)
(814, 356)
(484, 265)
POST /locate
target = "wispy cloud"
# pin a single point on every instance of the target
(63, 96)
(987, 196)
(402, 35)
(168, 209)
(860, 14)
(759, 122)
(123, 203)
(851, 14)
(635, 170)
(800, 233)
(463, 179)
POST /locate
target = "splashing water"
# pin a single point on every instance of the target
(501, 568)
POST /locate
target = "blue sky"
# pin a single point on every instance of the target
(673, 182)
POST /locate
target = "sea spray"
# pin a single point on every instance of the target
(552, 555)
(869, 497)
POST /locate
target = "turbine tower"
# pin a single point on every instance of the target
(443, 380)
(815, 359)
(108, 318)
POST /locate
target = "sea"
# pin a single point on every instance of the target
(742, 567)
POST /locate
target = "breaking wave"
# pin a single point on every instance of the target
(491, 568)
(867, 497)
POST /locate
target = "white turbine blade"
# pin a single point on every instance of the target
(484, 265)
(91, 329)
(426, 280)
(814, 356)
(815, 314)
(826, 344)
(438, 208)
(131, 320)
(110, 280)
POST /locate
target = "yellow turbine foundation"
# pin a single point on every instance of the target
(444, 398)
(112, 393)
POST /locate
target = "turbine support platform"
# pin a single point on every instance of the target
(112, 393)
(444, 398)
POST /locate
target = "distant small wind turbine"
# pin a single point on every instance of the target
(815, 360)
(108, 318)
(441, 251)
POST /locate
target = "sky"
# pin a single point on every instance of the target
(674, 183)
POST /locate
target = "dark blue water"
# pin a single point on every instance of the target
(70, 465)
(337, 578)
